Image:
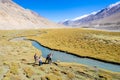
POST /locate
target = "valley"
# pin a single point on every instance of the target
(85, 48)
(95, 44)
(16, 57)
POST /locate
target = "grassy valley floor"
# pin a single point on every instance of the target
(100, 45)
(17, 63)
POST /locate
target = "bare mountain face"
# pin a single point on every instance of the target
(12, 16)
(108, 18)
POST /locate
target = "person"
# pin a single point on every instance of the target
(49, 58)
(40, 61)
(35, 58)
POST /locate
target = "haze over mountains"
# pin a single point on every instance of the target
(107, 18)
(13, 16)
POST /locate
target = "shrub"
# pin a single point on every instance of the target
(28, 71)
(14, 68)
(53, 77)
(70, 75)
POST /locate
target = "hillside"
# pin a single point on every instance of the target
(112, 22)
(13, 16)
(107, 17)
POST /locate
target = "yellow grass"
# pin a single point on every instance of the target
(97, 44)
(28, 71)
(17, 63)
(53, 77)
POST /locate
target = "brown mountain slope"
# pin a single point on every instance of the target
(112, 22)
(12, 16)
(111, 19)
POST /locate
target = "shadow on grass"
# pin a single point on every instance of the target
(36, 64)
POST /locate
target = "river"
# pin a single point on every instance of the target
(65, 57)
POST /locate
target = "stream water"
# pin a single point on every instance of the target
(64, 57)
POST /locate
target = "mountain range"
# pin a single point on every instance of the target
(107, 18)
(13, 16)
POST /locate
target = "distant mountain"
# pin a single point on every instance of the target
(13, 16)
(109, 15)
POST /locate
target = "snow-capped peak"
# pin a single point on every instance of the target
(86, 15)
(93, 13)
(115, 4)
(65, 20)
(80, 17)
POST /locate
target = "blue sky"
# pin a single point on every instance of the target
(59, 10)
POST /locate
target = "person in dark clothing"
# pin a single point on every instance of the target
(35, 58)
(49, 58)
